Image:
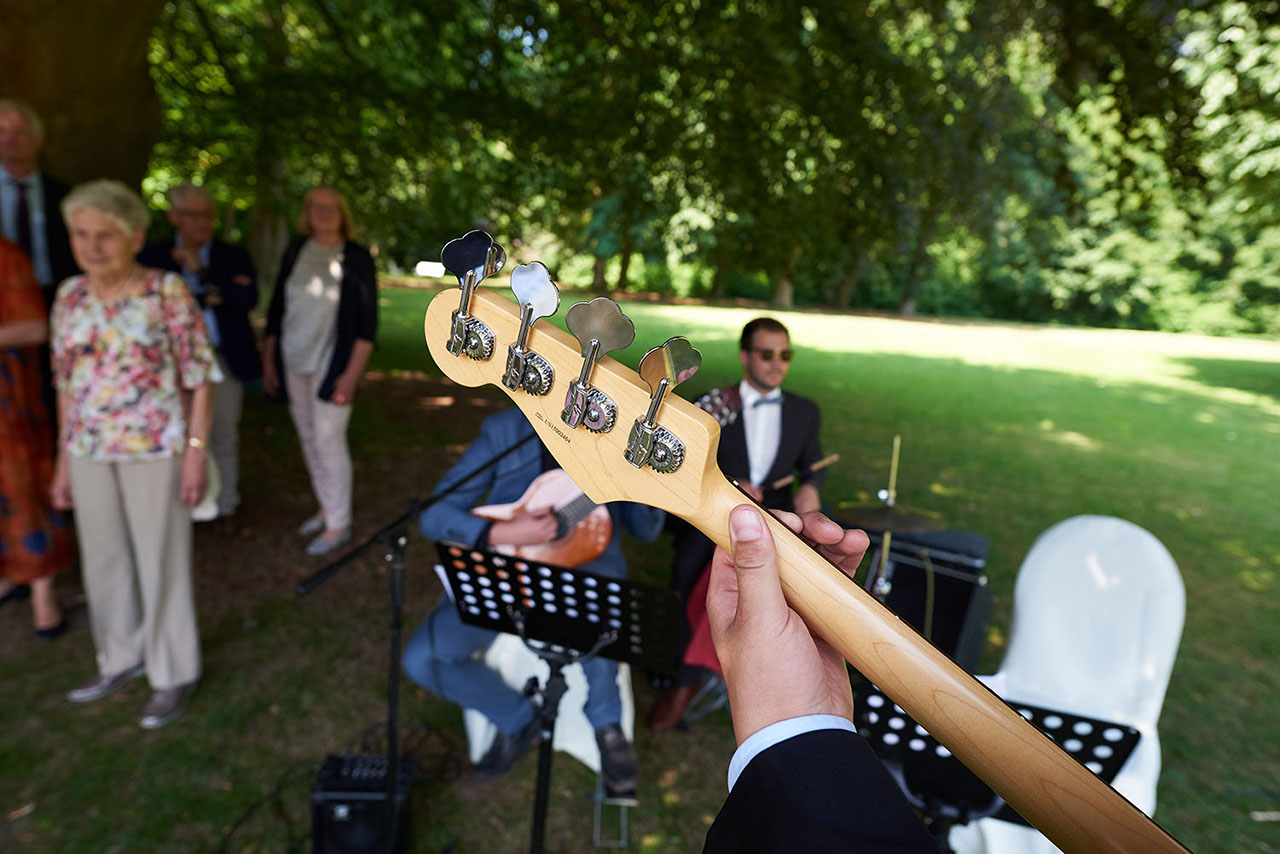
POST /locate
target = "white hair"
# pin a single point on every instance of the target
(112, 198)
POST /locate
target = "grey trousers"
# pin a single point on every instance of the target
(135, 554)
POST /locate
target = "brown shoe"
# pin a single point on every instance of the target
(668, 711)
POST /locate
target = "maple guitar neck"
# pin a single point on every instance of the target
(1064, 800)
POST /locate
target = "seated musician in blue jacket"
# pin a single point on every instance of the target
(801, 779)
(440, 654)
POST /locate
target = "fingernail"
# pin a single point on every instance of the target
(745, 524)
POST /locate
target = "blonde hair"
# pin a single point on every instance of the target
(348, 224)
(33, 118)
(120, 204)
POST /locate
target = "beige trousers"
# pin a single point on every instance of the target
(135, 555)
(224, 438)
(322, 431)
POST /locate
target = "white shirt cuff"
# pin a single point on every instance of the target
(762, 740)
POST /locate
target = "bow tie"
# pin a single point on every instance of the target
(762, 401)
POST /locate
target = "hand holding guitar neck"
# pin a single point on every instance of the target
(667, 460)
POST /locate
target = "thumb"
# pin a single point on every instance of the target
(756, 562)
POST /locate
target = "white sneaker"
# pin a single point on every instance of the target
(312, 526)
(327, 542)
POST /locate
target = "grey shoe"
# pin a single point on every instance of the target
(311, 527)
(104, 684)
(165, 706)
(617, 760)
(327, 542)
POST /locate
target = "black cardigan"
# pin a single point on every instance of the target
(357, 311)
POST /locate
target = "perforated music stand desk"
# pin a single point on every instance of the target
(935, 781)
(564, 616)
(564, 610)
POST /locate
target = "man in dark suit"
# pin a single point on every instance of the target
(766, 434)
(802, 779)
(30, 199)
(221, 277)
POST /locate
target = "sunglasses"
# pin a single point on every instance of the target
(767, 355)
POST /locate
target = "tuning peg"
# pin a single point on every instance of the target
(472, 258)
(538, 297)
(662, 368)
(600, 327)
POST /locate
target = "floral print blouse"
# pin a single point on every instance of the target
(123, 364)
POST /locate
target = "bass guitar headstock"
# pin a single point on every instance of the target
(620, 435)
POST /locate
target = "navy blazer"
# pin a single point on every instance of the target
(238, 345)
(450, 519)
(357, 311)
(822, 792)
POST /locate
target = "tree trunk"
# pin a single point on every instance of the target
(848, 281)
(784, 291)
(268, 221)
(598, 284)
(628, 249)
(719, 286)
(916, 267)
(83, 68)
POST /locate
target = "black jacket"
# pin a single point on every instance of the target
(62, 264)
(357, 310)
(238, 345)
(821, 793)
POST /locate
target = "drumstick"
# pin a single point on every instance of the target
(789, 479)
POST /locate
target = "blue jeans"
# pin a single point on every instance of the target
(441, 658)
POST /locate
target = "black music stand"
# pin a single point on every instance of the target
(945, 791)
(564, 616)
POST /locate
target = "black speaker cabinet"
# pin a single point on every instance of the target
(935, 582)
(349, 806)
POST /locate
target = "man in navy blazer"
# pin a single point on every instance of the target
(222, 279)
(765, 434)
(30, 200)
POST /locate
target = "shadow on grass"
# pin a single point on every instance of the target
(1241, 374)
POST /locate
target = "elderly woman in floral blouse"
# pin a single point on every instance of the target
(133, 367)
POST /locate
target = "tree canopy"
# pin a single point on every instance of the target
(1088, 161)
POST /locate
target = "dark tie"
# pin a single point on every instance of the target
(24, 220)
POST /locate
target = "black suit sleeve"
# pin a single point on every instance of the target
(233, 263)
(820, 792)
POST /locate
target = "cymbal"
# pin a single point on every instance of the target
(882, 517)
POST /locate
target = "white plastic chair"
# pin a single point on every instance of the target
(1097, 616)
(574, 734)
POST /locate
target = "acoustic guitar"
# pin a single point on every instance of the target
(583, 528)
(625, 437)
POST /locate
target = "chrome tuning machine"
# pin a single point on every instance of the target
(662, 368)
(600, 327)
(472, 258)
(538, 297)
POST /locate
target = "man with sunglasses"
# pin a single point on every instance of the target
(766, 434)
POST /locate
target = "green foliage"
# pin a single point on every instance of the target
(1079, 161)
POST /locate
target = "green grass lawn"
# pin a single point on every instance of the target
(1006, 429)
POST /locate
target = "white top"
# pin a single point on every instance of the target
(309, 328)
(762, 425)
(762, 740)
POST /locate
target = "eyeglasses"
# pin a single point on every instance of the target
(767, 355)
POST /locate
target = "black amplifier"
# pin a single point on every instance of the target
(349, 806)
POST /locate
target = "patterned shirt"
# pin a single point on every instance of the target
(123, 364)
